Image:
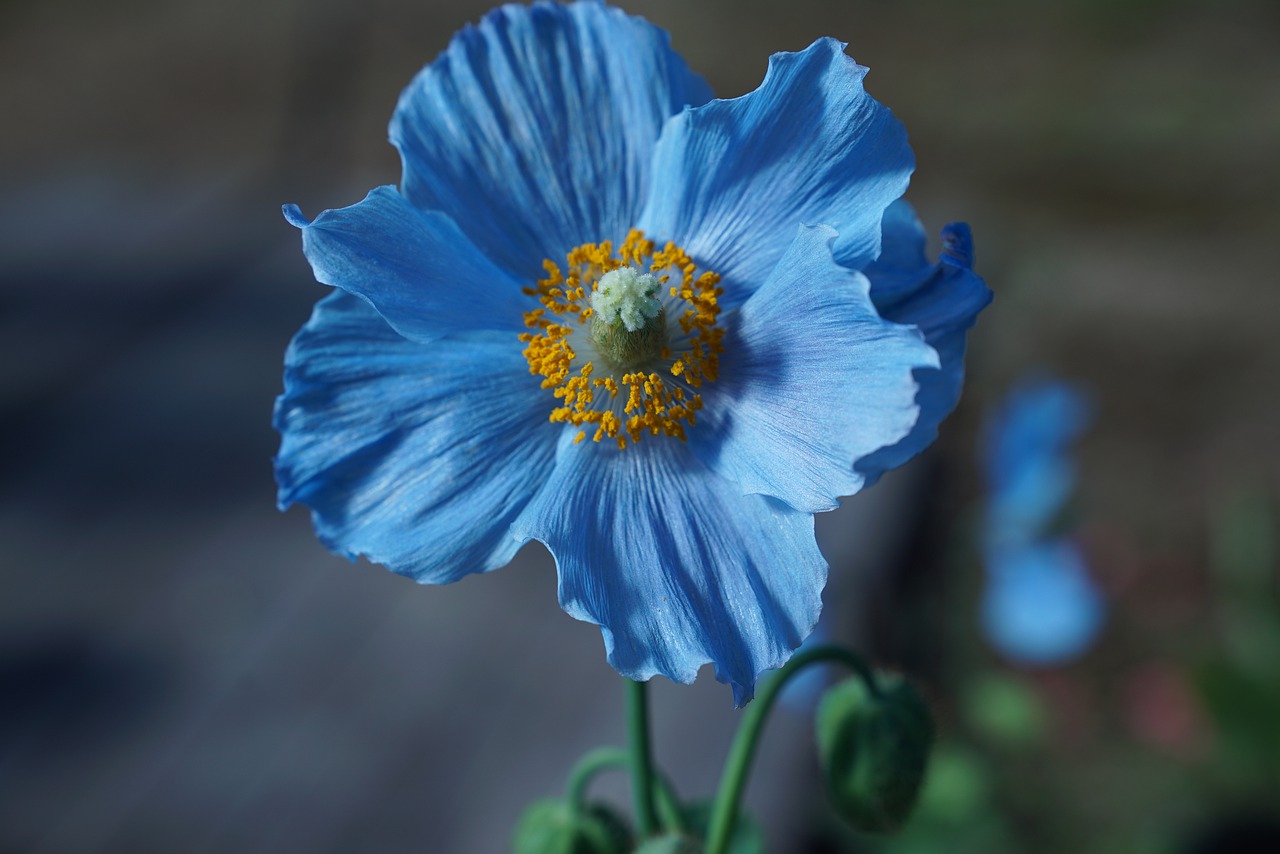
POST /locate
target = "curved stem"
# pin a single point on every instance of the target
(641, 761)
(668, 805)
(591, 764)
(603, 758)
(724, 812)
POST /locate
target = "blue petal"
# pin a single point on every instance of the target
(534, 130)
(675, 564)
(417, 456)
(733, 179)
(1040, 605)
(811, 380)
(902, 250)
(421, 274)
(943, 300)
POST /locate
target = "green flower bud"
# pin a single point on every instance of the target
(874, 748)
(552, 826)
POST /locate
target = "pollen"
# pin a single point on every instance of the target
(625, 340)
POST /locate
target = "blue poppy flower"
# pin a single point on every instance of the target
(608, 313)
(1040, 605)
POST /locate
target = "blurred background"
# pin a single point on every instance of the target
(183, 668)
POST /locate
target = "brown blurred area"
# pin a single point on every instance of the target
(184, 669)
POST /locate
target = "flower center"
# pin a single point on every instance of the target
(606, 346)
(628, 323)
(627, 296)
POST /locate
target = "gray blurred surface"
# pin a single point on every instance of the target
(184, 669)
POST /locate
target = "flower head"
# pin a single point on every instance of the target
(1040, 605)
(639, 325)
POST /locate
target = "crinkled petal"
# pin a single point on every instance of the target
(943, 300)
(421, 274)
(534, 129)
(811, 380)
(675, 564)
(418, 456)
(902, 251)
(732, 179)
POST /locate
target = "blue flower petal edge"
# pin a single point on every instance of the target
(383, 250)
(416, 456)
(804, 344)
(808, 146)
(943, 300)
(517, 127)
(676, 565)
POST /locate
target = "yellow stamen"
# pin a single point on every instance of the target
(660, 400)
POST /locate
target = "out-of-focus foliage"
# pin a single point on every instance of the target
(1146, 744)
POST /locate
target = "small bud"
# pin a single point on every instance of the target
(552, 826)
(874, 748)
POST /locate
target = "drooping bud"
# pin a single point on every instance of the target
(553, 826)
(874, 748)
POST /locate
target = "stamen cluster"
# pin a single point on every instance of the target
(622, 402)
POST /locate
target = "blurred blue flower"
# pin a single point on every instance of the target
(1040, 605)
(1030, 470)
(611, 314)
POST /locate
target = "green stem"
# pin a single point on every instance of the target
(724, 812)
(668, 805)
(641, 761)
(603, 758)
(591, 764)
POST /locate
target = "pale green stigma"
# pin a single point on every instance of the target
(627, 295)
(628, 325)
